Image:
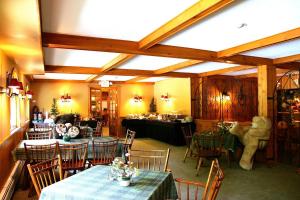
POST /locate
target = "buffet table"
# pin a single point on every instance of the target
(169, 132)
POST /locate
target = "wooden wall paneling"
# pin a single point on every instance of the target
(6, 147)
(242, 105)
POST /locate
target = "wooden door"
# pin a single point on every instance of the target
(113, 111)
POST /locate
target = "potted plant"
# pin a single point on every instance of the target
(122, 172)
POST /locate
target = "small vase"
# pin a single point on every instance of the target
(124, 181)
(66, 138)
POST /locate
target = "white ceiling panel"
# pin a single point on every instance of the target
(69, 57)
(59, 76)
(153, 79)
(242, 72)
(206, 67)
(276, 51)
(115, 78)
(262, 18)
(150, 62)
(118, 19)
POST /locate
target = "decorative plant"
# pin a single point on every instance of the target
(152, 106)
(122, 171)
(54, 109)
(223, 128)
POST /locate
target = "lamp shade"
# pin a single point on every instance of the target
(14, 83)
(21, 86)
(29, 94)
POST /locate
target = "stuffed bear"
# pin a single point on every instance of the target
(250, 136)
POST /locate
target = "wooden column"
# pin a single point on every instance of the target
(266, 77)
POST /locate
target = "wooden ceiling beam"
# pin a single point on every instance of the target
(290, 65)
(222, 71)
(190, 16)
(271, 40)
(71, 69)
(124, 72)
(136, 79)
(287, 59)
(177, 66)
(54, 40)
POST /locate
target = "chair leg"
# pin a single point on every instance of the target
(199, 165)
(227, 153)
(186, 153)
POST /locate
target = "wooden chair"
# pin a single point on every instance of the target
(211, 187)
(41, 127)
(208, 147)
(85, 133)
(156, 160)
(44, 174)
(187, 133)
(73, 156)
(127, 144)
(98, 131)
(104, 152)
(38, 135)
(40, 153)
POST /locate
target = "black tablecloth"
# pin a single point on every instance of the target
(169, 132)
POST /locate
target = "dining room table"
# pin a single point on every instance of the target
(95, 183)
(19, 152)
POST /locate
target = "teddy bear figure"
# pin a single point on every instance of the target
(250, 137)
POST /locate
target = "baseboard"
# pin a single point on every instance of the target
(10, 184)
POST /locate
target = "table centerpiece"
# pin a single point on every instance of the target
(122, 172)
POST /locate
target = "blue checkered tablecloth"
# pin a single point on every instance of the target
(19, 152)
(94, 184)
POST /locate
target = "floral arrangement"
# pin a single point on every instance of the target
(122, 171)
(223, 128)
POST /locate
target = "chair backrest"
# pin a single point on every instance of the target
(211, 187)
(104, 152)
(214, 181)
(41, 127)
(156, 160)
(44, 174)
(129, 137)
(73, 156)
(98, 131)
(189, 188)
(188, 134)
(85, 132)
(39, 153)
(208, 145)
(39, 135)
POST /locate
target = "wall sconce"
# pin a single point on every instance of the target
(65, 98)
(29, 94)
(137, 98)
(225, 96)
(165, 97)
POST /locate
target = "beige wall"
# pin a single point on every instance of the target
(177, 88)
(45, 91)
(179, 91)
(6, 65)
(127, 92)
